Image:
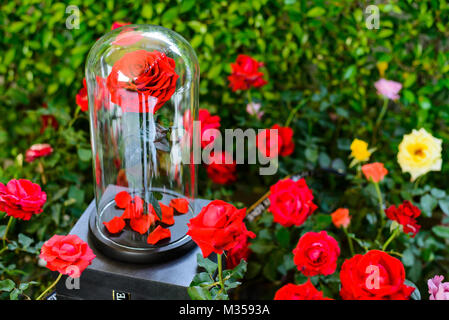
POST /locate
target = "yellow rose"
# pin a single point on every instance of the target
(359, 150)
(419, 153)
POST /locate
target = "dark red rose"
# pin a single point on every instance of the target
(218, 227)
(405, 214)
(21, 198)
(271, 145)
(291, 203)
(245, 74)
(67, 254)
(374, 276)
(142, 81)
(207, 122)
(304, 291)
(316, 253)
(37, 151)
(222, 169)
(240, 251)
(81, 97)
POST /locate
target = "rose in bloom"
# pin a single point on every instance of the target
(208, 121)
(240, 251)
(419, 153)
(305, 291)
(245, 74)
(21, 198)
(316, 253)
(374, 172)
(272, 145)
(218, 227)
(142, 81)
(341, 218)
(388, 89)
(221, 168)
(374, 276)
(359, 150)
(67, 254)
(405, 214)
(81, 97)
(254, 109)
(291, 202)
(438, 289)
(37, 151)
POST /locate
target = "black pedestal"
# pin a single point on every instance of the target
(110, 279)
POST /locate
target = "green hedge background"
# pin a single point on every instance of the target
(320, 59)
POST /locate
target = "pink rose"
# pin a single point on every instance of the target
(254, 109)
(389, 89)
(438, 289)
(21, 198)
(37, 151)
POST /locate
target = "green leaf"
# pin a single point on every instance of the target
(199, 293)
(441, 231)
(156, 206)
(316, 12)
(428, 203)
(283, 237)
(239, 271)
(207, 264)
(85, 154)
(444, 205)
(24, 240)
(7, 285)
(201, 278)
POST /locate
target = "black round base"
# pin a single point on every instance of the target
(141, 255)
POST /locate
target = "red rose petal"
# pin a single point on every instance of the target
(142, 224)
(167, 214)
(180, 205)
(134, 209)
(122, 199)
(158, 234)
(115, 225)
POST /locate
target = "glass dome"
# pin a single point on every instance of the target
(142, 86)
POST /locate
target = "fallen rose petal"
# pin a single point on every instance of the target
(167, 214)
(122, 199)
(115, 225)
(158, 234)
(180, 205)
(143, 223)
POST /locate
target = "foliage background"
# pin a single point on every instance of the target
(320, 60)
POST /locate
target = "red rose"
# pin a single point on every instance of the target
(21, 198)
(221, 169)
(67, 254)
(291, 202)
(373, 276)
(218, 227)
(316, 253)
(207, 122)
(37, 151)
(278, 144)
(245, 74)
(81, 97)
(375, 172)
(405, 214)
(240, 251)
(142, 81)
(304, 291)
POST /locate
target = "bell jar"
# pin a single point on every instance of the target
(142, 83)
